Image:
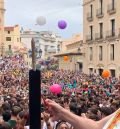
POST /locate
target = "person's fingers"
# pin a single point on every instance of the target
(49, 101)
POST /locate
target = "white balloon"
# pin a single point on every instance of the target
(41, 20)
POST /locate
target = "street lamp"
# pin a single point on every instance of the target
(40, 53)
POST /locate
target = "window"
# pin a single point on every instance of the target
(113, 4)
(113, 27)
(8, 38)
(91, 53)
(8, 32)
(91, 10)
(9, 47)
(52, 46)
(91, 32)
(100, 53)
(101, 6)
(112, 52)
(101, 30)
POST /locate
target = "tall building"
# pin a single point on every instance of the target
(101, 36)
(2, 11)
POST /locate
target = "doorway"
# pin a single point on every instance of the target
(112, 71)
(100, 71)
(80, 66)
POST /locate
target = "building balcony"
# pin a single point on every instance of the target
(111, 34)
(89, 38)
(111, 9)
(89, 17)
(98, 36)
(99, 13)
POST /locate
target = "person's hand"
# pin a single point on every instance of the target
(54, 109)
(46, 116)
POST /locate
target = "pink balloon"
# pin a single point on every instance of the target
(52, 89)
(56, 89)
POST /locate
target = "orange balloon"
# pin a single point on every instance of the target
(66, 58)
(105, 73)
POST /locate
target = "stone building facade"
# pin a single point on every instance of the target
(101, 36)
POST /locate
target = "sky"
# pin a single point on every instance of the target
(25, 13)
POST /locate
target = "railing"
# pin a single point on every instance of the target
(111, 8)
(89, 17)
(99, 13)
(89, 38)
(110, 34)
(98, 36)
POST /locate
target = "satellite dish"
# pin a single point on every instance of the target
(41, 20)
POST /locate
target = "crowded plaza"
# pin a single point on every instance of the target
(91, 97)
(59, 64)
(88, 97)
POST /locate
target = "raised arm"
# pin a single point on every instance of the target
(76, 121)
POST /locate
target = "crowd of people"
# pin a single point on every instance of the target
(84, 103)
(13, 93)
(86, 96)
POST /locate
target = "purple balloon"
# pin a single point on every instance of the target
(62, 24)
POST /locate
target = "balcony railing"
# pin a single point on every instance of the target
(98, 36)
(111, 8)
(99, 13)
(110, 34)
(89, 17)
(89, 38)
